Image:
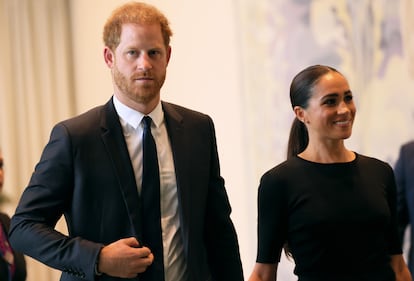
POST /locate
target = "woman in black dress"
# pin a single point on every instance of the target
(332, 209)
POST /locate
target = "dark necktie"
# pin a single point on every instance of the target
(150, 202)
(6, 252)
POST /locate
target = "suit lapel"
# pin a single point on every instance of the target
(180, 141)
(114, 141)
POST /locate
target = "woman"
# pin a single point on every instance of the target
(332, 209)
(12, 264)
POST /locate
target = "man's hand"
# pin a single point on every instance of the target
(124, 258)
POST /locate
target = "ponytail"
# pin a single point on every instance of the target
(298, 138)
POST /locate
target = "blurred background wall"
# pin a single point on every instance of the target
(232, 59)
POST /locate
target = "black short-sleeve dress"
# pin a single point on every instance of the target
(339, 219)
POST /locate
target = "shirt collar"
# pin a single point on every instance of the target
(133, 118)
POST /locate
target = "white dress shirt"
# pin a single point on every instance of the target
(131, 121)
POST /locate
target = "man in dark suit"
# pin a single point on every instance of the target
(91, 171)
(404, 174)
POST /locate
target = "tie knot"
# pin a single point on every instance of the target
(147, 122)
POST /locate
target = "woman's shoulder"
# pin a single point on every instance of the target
(374, 165)
(284, 169)
(365, 159)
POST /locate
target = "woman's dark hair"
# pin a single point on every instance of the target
(300, 93)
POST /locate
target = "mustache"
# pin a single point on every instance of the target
(143, 74)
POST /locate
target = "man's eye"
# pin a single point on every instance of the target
(132, 53)
(154, 53)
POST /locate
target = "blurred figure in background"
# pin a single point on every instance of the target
(12, 264)
(404, 175)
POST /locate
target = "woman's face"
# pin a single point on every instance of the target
(331, 110)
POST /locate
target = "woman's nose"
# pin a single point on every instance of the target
(343, 107)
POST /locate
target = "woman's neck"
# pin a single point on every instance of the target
(327, 154)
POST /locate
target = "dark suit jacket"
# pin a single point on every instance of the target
(85, 173)
(404, 174)
(19, 260)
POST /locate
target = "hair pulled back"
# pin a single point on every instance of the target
(300, 93)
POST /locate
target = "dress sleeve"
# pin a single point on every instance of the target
(393, 236)
(272, 219)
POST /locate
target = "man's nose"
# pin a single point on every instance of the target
(144, 62)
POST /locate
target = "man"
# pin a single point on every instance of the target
(92, 171)
(404, 175)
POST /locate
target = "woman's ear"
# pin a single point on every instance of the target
(300, 113)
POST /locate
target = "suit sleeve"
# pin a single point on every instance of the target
(42, 204)
(402, 208)
(221, 238)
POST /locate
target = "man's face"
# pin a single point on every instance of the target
(139, 65)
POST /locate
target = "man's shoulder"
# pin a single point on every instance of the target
(92, 120)
(93, 115)
(409, 145)
(172, 108)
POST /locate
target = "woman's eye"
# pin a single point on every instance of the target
(349, 98)
(330, 101)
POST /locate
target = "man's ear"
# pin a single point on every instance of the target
(109, 57)
(168, 54)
